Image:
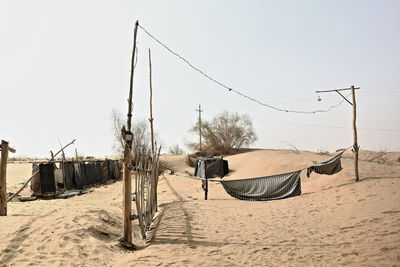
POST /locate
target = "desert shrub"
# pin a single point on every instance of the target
(323, 151)
(176, 150)
(225, 133)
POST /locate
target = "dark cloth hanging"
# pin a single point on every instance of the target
(90, 170)
(264, 188)
(47, 181)
(35, 183)
(118, 169)
(211, 167)
(69, 175)
(330, 166)
(97, 168)
(105, 174)
(79, 175)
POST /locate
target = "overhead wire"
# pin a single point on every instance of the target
(327, 126)
(230, 89)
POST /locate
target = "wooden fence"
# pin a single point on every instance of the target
(146, 182)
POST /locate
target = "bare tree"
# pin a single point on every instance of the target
(141, 145)
(176, 150)
(117, 123)
(226, 132)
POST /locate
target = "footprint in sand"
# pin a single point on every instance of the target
(390, 211)
(214, 252)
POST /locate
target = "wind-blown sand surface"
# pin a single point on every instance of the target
(335, 222)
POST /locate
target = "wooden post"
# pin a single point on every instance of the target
(206, 190)
(128, 138)
(151, 108)
(200, 111)
(355, 145)
(355, 142)
(127, 191)
(206, 187)
(3, 178)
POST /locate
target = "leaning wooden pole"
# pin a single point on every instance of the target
(128, 138)
(355, 145)
(151, 107)
(3, 178)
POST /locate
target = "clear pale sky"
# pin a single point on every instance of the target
(64, 65)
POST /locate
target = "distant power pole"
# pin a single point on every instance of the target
(200, 111)
(355, 143)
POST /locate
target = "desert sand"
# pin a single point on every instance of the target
(335, 222)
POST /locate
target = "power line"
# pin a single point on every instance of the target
(230, 89)
(327, 126)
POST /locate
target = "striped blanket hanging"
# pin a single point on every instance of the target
(265, 188)
(329, 166)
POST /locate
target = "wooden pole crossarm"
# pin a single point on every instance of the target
(344, 97)
(10, 149)
(335, 90)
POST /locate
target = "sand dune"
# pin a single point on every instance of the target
(335, 221)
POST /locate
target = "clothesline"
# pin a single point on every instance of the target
(303, 169)
(275, 186)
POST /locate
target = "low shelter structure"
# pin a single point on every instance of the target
(56, 177)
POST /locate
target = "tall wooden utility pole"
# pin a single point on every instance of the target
(200, 111)
(151, 108)
(128, 138)
(3, 176)
(355, 143)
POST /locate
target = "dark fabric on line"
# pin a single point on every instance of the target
(265, 188)
(82, 166)
(79, 176)
(118, 169)
(208, 168)
(329, 166)
(199, 169)
(69, 177)
(90, 170)
(105, 170)
(97, 171)
(35, 183)
(47, 182)
(226, 167)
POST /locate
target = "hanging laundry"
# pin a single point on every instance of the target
(211, 167)
(329, 166)
(69, 177)
(265, 188)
